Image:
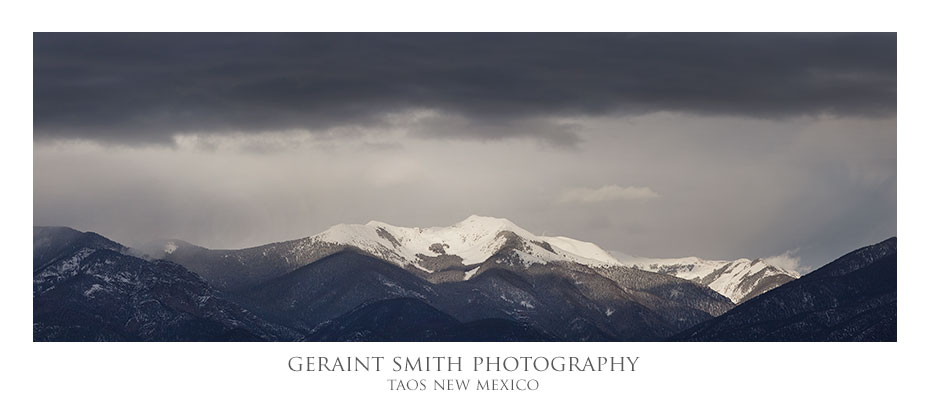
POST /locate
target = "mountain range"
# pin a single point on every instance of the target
(853, 298)
(482, 279)
(457, 253)
(87, 288)
(739, 280)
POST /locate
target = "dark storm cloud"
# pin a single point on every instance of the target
(144, 88)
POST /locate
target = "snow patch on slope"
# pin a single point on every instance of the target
(723, 276)
(585, 250)
(170, 247)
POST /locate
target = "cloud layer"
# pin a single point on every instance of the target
(145, 88)
(607, 193)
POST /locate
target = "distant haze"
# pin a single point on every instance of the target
(658, 145)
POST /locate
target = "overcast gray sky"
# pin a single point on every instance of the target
(713, 145)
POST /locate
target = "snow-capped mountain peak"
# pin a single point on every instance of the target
(479, 242)
(470, 243)
(467, 243)
(738, 280)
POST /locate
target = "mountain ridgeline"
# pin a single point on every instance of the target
(482, 279)
(854, 298)
(88, 288)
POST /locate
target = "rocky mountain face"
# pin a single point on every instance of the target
(53, 243)
(86, 289)
(854, 298)
(553, 300)
(410, 320)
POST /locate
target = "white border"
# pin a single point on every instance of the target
(240, 374)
